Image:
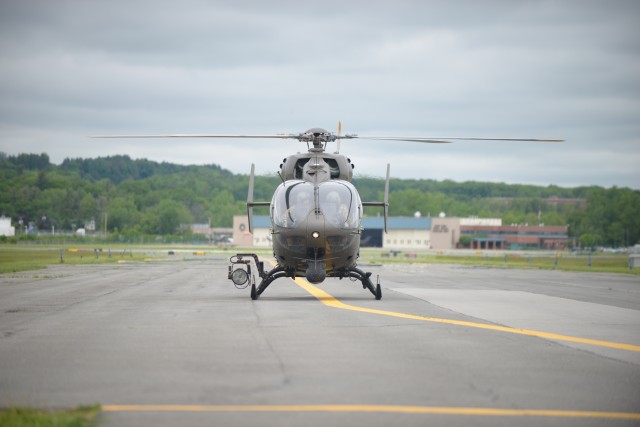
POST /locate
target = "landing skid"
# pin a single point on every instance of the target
(269, 277)
(241, 263)
(240, 274)
(365, 278)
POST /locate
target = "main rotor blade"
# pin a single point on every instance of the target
(306, 137)
(182, 135)
(446, 140)
(401, 138)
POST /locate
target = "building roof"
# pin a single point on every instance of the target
(396, 223)
(261, 221)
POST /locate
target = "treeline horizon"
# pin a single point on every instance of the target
(143, 197)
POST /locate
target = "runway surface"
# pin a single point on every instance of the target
(175, 343)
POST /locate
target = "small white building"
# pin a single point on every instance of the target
(6, 229)
(474, 220)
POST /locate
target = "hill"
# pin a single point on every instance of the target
(142, 197)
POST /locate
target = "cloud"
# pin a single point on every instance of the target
(409, 68)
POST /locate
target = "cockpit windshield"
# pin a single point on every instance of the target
(340, 204)
(292, 202)
(338, 201)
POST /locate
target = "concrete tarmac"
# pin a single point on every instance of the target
(169, 343)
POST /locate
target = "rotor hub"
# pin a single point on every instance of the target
(319, 137)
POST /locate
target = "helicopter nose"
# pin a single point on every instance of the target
(315, 249)
(315, 231)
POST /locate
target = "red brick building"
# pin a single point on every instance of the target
(516, 237)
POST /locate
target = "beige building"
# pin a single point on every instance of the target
(445, 233)
(261, 237)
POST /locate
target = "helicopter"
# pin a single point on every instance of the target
(316, 212)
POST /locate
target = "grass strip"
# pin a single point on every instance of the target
(13, 260)
(82, 416)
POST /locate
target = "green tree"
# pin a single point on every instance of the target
(223, 207)
(142, 196)
(122, 213)
(588, 240)
(87, 209)
(166, 217)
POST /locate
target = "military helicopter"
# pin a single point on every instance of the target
(316, 212)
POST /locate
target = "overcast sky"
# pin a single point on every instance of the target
(546, 69)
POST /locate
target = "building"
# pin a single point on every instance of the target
(6, 229)
(474, 220)
(439, 233)
(402, 233)
(219, 235)
(261, 237)
(517, 237)
(203, 229)
(445, 233)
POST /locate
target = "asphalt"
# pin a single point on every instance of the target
(169, 343)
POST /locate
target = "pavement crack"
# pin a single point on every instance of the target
(261, 335)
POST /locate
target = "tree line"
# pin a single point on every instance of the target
(142, 197)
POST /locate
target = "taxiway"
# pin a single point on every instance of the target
(175, 343)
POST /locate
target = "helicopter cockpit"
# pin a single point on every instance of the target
(337, 201)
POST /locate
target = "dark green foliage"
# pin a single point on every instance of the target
(119, 168)
(27, 161)
(141, 197)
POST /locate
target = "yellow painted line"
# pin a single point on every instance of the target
(437, 410)
(331, 301)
